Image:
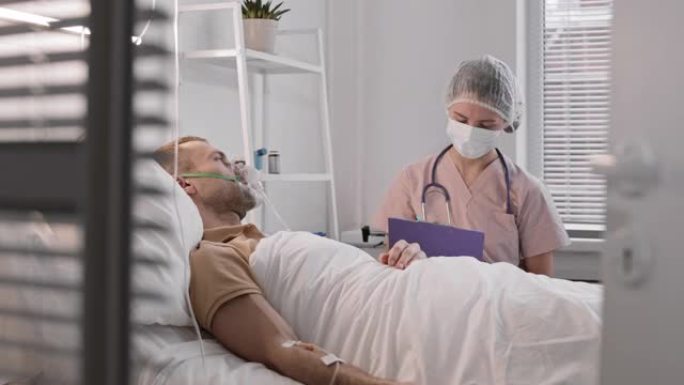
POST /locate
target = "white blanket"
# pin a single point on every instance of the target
(440, 321)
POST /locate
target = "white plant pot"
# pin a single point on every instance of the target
(260, 34)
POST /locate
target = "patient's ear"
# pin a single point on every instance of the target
(187, 186)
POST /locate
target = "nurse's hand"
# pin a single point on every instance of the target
(402, 254)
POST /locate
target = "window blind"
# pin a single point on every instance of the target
(63, 201)
(576, 105)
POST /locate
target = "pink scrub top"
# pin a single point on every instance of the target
(534, 228)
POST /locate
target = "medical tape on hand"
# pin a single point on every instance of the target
(328, 359)
(290, 343)
(331, 359)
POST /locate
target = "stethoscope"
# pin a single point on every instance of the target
(447, 197)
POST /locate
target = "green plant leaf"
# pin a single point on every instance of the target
(250, 9)
(249, 4)
(278, 14)
(262, 9)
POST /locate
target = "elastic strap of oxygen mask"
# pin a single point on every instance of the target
(212, 175)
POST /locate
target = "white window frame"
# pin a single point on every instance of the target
(529, 70)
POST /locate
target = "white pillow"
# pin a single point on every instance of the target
(183, 231)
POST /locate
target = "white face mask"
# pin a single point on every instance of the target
(471, 142)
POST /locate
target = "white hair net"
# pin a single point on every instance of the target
(490, 83)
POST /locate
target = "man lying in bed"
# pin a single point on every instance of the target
(225, 297)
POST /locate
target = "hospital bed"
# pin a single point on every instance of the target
(495, 324)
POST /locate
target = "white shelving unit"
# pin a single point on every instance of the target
(246, 62)
(256, 61)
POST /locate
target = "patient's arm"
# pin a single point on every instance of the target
(249, 327)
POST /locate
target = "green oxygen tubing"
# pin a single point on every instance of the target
(213, 175)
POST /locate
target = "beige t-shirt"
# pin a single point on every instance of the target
(534, 228)
(219, 269)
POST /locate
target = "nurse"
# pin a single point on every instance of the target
(484, 189)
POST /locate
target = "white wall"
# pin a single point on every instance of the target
(345, 78)
(405, 54)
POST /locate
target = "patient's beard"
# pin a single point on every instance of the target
(236, 198)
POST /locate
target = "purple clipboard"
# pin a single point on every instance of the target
(437, 240)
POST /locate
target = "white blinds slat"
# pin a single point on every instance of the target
(576, 109)
(576, 44)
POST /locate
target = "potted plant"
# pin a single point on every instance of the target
(261, 24)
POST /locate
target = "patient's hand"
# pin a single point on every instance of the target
(402, 254)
